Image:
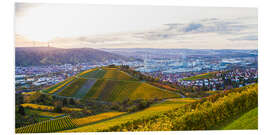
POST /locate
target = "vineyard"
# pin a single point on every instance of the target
(54, 86)
(117, 75)
(72, 88)
(48, 126)
(95, 118)
(108, 84)
(98, 73)
(201, 115)
(149, 112)
(62, 85)
(165, 111)
(117, 90)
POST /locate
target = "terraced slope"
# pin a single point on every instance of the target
(115, 74)
(149, 112)
(97, 73)
(119, 90)
(111, 84)
(71, 89)
(80, 93)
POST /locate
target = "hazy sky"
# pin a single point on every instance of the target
(107, 26)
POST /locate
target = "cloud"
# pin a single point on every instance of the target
(192, 27)
(21, 8)
(209, 33)
(250, 37)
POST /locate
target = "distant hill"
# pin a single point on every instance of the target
(29, 56)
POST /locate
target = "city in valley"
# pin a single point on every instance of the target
(223, 69)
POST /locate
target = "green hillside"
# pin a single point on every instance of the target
(111, 84)
(248, 120)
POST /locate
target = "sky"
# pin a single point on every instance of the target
(112, 26)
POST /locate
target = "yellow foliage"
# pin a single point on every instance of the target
(94, 118)
(146, 113)
(84, 72)
(49, 108)
(57, 88)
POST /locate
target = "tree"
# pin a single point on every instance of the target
(19, 99)
(71, 101)
(21, 110)
(58, 106)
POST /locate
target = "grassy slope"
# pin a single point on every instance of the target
(248, 120)
(149, 112)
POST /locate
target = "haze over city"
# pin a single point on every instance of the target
(108, 26)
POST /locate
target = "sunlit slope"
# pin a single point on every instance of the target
(94, 118)
(94, 73)
(111, 84)
(153, 110)
(119, 90)
(48, 126)
(248, 120)
(114, 74)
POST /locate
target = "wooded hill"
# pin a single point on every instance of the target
(36, 56)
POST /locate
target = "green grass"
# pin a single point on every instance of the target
(248, 120)
(153, 110)
(118, 90)
(72, 88)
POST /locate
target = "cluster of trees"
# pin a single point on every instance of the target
(158, 83)
(123, 106)
(204, 114)
(137, 74)
(24, 117)
(132, 105)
